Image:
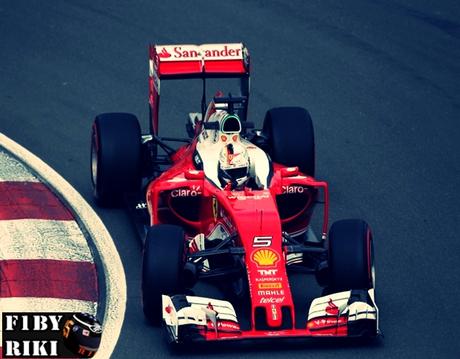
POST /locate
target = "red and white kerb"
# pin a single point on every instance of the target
(46, 264)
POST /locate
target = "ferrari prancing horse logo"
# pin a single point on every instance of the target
(215, 208)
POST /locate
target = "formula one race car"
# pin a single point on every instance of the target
(232, 208)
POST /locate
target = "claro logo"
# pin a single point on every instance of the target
(187, 192)
(293, 189)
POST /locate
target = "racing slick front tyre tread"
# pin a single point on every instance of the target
(350, 256)
(162, 267)
(291, 139)
(116, 147)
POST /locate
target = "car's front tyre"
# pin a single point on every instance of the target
(351, 256)
(162, 267)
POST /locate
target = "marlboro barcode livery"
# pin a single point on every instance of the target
(232, 207)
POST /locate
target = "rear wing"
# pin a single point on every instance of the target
(195, 61)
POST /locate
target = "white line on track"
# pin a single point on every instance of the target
(44, 304)
(14, 170)
(43, 239)
(112, 265)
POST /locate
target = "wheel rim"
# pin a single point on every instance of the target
(372, 266)
(371, 259)
(93, 161)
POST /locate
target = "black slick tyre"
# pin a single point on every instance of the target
(351, 256)
(290, 135)
(162, 268)
(115, 157)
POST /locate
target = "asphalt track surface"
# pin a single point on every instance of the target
(380, 78)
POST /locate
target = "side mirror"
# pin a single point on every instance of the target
(194, 175)
(289, 171)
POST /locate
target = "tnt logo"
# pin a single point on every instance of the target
(48, 335)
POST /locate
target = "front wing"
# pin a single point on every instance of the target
(351, 313)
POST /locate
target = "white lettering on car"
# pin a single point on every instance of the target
(242, 197)
(293, 189)
(269, 279)
(271, 300)
(262, 241)
(187, 192)
(268, 271)
(270, 292)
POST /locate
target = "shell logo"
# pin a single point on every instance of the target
(265, 257)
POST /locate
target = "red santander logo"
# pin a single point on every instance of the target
(164, 53)
(332, 309)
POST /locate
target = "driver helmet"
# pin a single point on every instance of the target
(233, 166)
(82, 334)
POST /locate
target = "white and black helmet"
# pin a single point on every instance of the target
(233, 165)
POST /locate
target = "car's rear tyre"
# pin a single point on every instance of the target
(290, 135)
(162, 267)
(115, 156)
(351, 256)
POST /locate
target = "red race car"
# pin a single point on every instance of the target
(232, 209)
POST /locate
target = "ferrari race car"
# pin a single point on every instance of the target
(232, 208)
